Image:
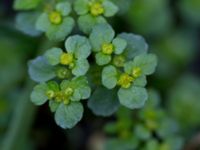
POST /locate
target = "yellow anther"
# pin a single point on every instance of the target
(107, 48)
(125, 80)
(136, 72)
(66, 59)
(55, 17)
(50, 94)
(68, 91)
(96, 9)
(119, 60)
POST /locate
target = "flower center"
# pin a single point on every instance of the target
(63, 72)
(136, 72)
(107, 49)
(55, 17)
(125, 80)
(50, 94)
(68, 91)
(66, 59)
(119, 60)
(96, 9)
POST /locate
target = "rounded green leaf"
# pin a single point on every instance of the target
(59, 32)
(136, 45)
(40, 71)
(109, 77)
(140, 81)
(133, 97)
(43, 22)
(79, 45)
(110, 8)
(81, 67)
(119, 44)
(53, 56)
(101, 34)
(103, 102)
(87, 22)
(38, 95)
(53, 105)
(102, 59)
(128, 67)
(147, 63)
(82, 89)
(67, 116)
(81, 7)
(64, 8)
(25, 22)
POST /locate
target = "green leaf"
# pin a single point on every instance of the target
(119, 44)
(147, 63)
(59, 32)
(53, 56)
(128, 67)
(64, 8)
(43, 23)
(81, 7)
(133, 97)
(53, 105)
(26, 4)
(136, 44)
(25, 22)
(82, 88)
(103, 102)
(140, 81)
(87, 22)
(40, 71)
(38, 95)
(109, 77)
(79, 45)
(110, 8)
(67, 116)
(102, 59)
(81, 67)
(101, 34)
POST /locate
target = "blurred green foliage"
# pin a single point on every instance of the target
(168, 119)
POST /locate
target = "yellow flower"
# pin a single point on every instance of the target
(55, 17)
(136, 72)
(125, 80)
(107, 48)
(66, 59)
(59, 96)
(96, 9)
